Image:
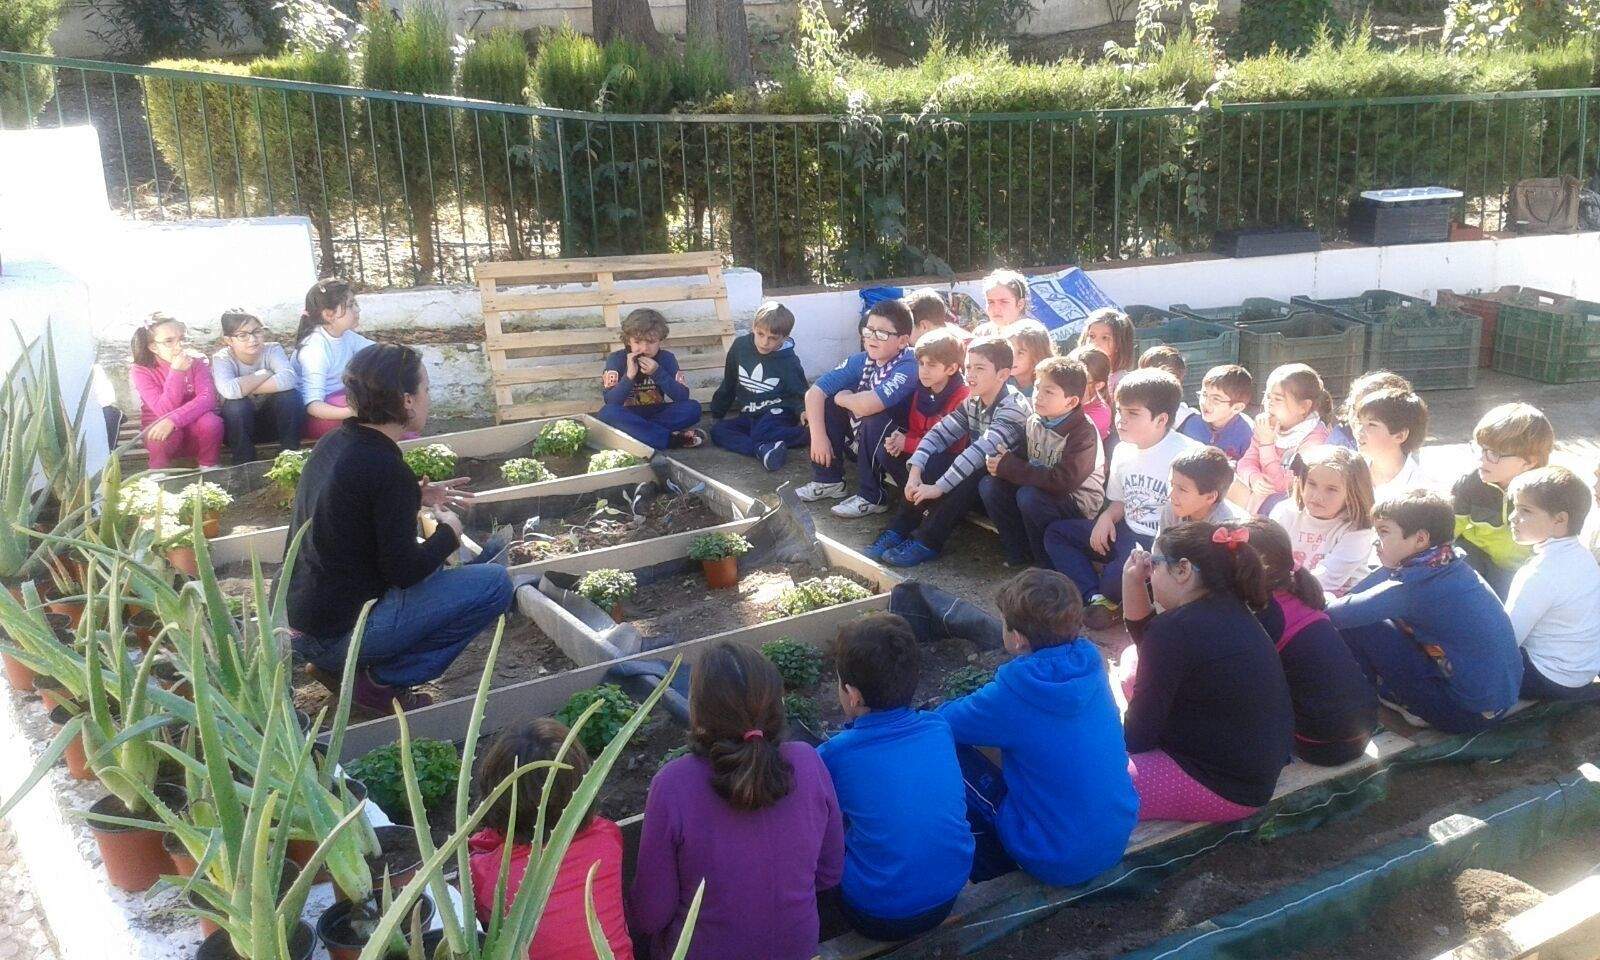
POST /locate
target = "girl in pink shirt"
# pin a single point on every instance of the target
(1296, 414)
(1111, 332)
(177, 399)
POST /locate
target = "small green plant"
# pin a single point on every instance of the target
(815, 594)
(612, 460)
(381, 770)
(616, 709)
(681, 750)
(563, 438)
(607, 588)
(287, 467)
(525, 470)
(213, 499)
(802, 710)
(433, 462)
(965, 681)
(718, 546)
(799, 665)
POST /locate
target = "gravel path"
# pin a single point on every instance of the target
(24, 934)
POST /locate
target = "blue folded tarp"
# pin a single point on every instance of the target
(1062, 300)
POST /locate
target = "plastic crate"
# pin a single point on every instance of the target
(1265, 241)
(1253, 310)
(1405, 215)
(1486, 307)
(1203, 346)
(1144, 315)
(1552, 339)
(1434, 348)
(1330, 345)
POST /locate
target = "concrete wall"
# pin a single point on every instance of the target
(80, 34)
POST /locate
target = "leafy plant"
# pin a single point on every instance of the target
(799, 665)
(287, 467)
(525, 470)
(673, 753)
(383, 774)
(607, 588)
(815, 594)
(965, 681)
(212, 498)
(613, 712)
(433, 462)
(718, 546)
(612, 460)
(25, 27)
(801, 709)
(1286, 25)
(560, 438)
(495, 67)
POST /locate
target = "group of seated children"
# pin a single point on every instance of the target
(251, 388)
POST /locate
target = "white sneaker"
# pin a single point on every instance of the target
(817, 490)
(855, 508)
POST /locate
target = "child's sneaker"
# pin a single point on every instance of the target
(1101, 613)
(774, 456)
(820, 490)
(909, 554)
(887, 540)
(688, 439)
(857, 507)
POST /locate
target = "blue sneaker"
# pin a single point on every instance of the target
(774, 456)
(910, 553)
(887, 540)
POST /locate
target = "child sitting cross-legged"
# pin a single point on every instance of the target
(1060, 805)
(991, 418)
(1136, 494)
(1426, 629)
(1508, 441)
(1166, 357)
(1209, 723)
(1060, 474)
(1391, 427)
(1199, 489)
(1329, 519)
(1294, 419)
(1335, 708)
(941, 387)
(907, 846)
(764, 386)
(1095, 405)
(1554, 603)
(645, 393)
(752, 816)
(563, 932)
(1224, 393)
(1030, 343)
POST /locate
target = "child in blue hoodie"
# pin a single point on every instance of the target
(645, 394)
(907, 847)
(1426, 628)
(1061, 805)
(764, 386)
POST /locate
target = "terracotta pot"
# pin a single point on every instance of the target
(77, 760)
(51, 692)
(184, 864)
(18, 674)
(217, 946)
(721, 574)
(133, 857)
(71, 609)
(183, 561)
(616, 613)
(211, 526)
(341, 944)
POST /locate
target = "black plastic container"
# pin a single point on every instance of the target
(1408, 215)
(1265, 241)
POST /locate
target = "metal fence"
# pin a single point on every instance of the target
(404, 189)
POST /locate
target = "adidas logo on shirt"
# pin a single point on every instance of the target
(756, 381)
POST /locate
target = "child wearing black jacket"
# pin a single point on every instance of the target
(764, 387)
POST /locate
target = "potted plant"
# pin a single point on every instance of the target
(525, 470)
(433, 462)
(286, 469)
(178, 546)
(612, 460)
(719, 555)
(212, 501)
(607, 589)
(560, 438)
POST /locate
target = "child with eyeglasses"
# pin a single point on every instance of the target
(177, 400)
(258, 386)
(1510, 440)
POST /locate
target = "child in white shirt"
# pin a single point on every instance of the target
(1329, 518)
(1554, 601)
(1391, 425)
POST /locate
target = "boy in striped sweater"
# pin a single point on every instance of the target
(992, 418)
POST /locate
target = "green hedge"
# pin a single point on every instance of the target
(207, 133)
(26, 26)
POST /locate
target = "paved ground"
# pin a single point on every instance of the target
(24, 935)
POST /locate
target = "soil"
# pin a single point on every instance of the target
(400, 853)
(939, 661)
(629, 783)
(579, 530)
(525, 654)
(257, 510)
(484, 472)
(682, 607)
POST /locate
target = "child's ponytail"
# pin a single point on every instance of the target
(1223, 554)
(1271, 543)
(329, 293)
(139, 347)
(1303, 382)
(736, 720)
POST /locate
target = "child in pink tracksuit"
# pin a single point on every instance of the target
(177, 398)
(1295, 417)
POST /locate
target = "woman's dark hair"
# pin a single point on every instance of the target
(539, 740)
(140, 347)
(1232, 567)
(377, 380)
(232, 320)
(1271, 543)
(330, 293)
(735, 719)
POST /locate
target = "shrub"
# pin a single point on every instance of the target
(499, 145)
(141, 29)
(965, 681)
(561, 438)
(525, 470)
(801, 710)
(798, 664)
(718, 546)
(616, 709)
(607, 588)
(815, 594)
(213, 499)
(287, 467)
(433, 462)
(25, 27)
(612, 460)
(206, 131)
(380, 770)
(1288, 25)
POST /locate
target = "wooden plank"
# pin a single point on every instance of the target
(567, 486)
(512, 271)
(609, 311)
(564, 372)
(1524, 934)
(614, 298)
(497, 360)
(697, 330)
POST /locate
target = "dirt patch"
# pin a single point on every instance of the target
(257, 510)
(600, 522)
(684, 608)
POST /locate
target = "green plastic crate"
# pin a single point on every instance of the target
(1435, 348)
(1551, 339)
(1253, 310)
(1332, 346)
(1202, 345)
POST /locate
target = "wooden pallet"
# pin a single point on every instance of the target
(561, 350)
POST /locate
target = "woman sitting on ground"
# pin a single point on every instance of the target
(259, 388)
(324, 345)
(177, 400)
(361, 501)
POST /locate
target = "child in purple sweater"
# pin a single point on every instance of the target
(753, 819)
